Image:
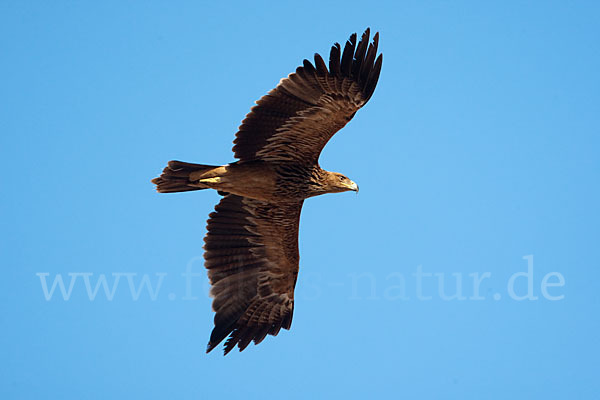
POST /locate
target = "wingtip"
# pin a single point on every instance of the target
(209, 347)
(376, 41)
(366, 34)
(352, 40)
(213, 345)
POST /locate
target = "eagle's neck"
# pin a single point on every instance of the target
(301, 182)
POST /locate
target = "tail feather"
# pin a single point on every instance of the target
(176, 177)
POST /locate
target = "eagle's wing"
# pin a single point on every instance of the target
(252, 261)
(294, 121)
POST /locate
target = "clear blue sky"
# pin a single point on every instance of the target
(479, 147)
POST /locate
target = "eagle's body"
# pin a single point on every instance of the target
(252, 240)
(269, 182)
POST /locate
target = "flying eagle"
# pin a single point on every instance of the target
(251, 245)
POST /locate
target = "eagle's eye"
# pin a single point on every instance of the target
(342, 178)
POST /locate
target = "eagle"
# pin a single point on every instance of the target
(251, 245)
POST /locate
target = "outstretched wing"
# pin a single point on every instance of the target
(252, 261)
(294, 121)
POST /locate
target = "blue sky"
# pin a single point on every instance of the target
(477, 159)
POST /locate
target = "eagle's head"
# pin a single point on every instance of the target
(336, 182)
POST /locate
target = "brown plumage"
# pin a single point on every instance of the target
(251, 247)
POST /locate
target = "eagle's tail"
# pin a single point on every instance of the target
(176, 177)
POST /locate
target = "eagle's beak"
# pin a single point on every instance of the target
(353, 186)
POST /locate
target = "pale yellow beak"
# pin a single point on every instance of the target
(353, 186)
